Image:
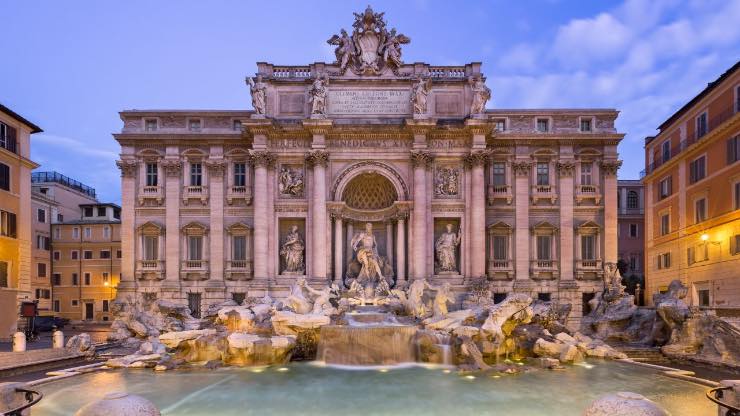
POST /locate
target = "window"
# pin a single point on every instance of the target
(701, 125)
(150, 125)
(545, 297)
(57, 233)
(43, 294)
(737, 195)
(88, 211)
(194, 301)
(56, 279)
(499, 174)
(634, 263)
(500, 124)
(75, 233)
(8, 138)
(666, 150)
(43, 243)
(240, 174)
(151, 247)
(75, 279)
(665, 224)
(703, 297)
(57, 256)
(74, 254)
(41, 270)
(543, 247)
(4, 177)
(104, 254)
(633, 230)
(543, 173)
(194, 125)
(697, 169)
(105, 305)
(586, 169)
(633, 200)
(238, 297)
(41, 215)
(118, 254)
(664, 260)
(543, 125)
(101, 211)
(87, 254)
(500, 247)
(105, 277)
(588, 247)
(88, 232)
(106, 232)
(700, 210)
(733, 150)
(586, 125)
(116, 213)
(195, 247)
(735, 244)
(152, 174)
(3, 274)
(88, 278)
(60, 218)
(75, 302)
(240, 247)
(499, 297)
(57, 305)
(196, 174)
(7, 224)
(237, 126)
(666, 186)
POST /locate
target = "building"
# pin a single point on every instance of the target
(15, 216)
(87, 263)
(692, 197)
(631, 233)
(54, 197)
(228, 204)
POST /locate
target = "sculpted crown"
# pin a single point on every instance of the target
(521, 167)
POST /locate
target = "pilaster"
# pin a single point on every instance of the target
(521, 170)
(173, 186)
(565, 171)
(318, 160)
(421, 162)
(216, 168)
(261, 160)
(476, 162)
(609, 169)
(127, 282)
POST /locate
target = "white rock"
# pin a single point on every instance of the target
(514, 307)
(466, 331)
(241, 340)
(563, 337)
(582, 338)
(545, 348)
(119, 404)
(80, 343)
(290, 323)
(571, 354)
(624, 404)
(173, 339)
(549, 363)
(287, 341)
(451, 321)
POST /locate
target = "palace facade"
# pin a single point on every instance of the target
(223, 205)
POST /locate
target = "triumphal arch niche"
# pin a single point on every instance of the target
(373, 171)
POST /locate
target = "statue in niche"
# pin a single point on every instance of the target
(446, 182)
(290, 182)
(446, 249)
(374, 276)
(481, 95)
(258, 89)
(292, 252)
(419, 94)
(317, 95)
(345, 49)
(392, 47)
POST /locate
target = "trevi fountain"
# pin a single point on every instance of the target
(476, 308)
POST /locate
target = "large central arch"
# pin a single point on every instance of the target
(368, 168)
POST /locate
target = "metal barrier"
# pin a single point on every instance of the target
(717, 393)
(29, 398)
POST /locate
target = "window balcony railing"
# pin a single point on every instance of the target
(194, 270)
(195, 192)
(499, 192)
(589, 269)
(543, 269)
(239, 270)
(155, 193)
(588, 192)
(546, 192)
(150, 269)
(239, 192)
(500, 269)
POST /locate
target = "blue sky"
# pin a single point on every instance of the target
(70, 66)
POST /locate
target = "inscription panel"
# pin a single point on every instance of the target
(359, 102)
(291, 103)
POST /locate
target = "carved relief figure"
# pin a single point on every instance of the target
(419, 94)
(446, 248)
(297, 300)
(392, 47)
(292, 252)
(345, 49)
(317, 95)
(446, 181)
(258, 89)
(441, 299)
(290, 182)
(481, 95)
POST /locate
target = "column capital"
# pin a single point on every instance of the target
(261, 158)
(566, 167)
(172, 167)
(610, 167)
(318, 126)
(216, 167)
(317, 158)
(521, 167)
(420, 158)
(128, 167)
(476, 158)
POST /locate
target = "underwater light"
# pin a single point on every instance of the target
(470, 377)
(282, 369)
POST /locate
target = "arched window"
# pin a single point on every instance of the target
(633, 200)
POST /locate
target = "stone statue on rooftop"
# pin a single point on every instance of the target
(258, 89)
(419, 94)
(481, 95)
(317, 95)
(345, 49)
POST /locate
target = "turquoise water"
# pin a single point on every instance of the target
(310, 389)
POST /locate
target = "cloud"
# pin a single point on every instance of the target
(522, 57)
(583, 41)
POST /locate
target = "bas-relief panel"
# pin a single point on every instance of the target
(521, 123)
(565, 122)
(220, 122)
(291, 181)
(447, 182)
(172, 122)
(133, 123)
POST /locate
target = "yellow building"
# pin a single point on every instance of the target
(692, 203)
(87, 263)
(15, 216)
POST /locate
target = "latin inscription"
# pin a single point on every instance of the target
(369, 102)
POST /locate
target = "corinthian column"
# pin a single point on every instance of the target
(216, 168)
(261, 160)
(477, 161)
(401, 248)
(521, 234)
(173, 185)
(609, 169)
(318, 159)
(421, 162)
(128, 224)
(565, 172)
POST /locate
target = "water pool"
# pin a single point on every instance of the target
(310, 389)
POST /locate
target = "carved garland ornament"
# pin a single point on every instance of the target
(262, 158)
(216, 167)
(128, 168)
(566, 167)
(521, 168)
(420, 158)
(172, 167)
(610, 167)
(317, 158)
(476, 158)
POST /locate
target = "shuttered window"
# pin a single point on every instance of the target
(4, 177)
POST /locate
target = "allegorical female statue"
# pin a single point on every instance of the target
(419, 93)
(481, 95)
(292, 252)
(258, 89)
(317, 95)
(446, 248)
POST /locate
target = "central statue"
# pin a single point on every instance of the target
(372, 280)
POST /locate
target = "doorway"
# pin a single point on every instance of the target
(89, 311)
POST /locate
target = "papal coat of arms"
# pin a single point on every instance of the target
(371, 46)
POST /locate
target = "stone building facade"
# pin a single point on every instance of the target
(228, 204)
(692, 198)
(631, 233)
(15, 216)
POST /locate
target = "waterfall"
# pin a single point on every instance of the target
(367, 344)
